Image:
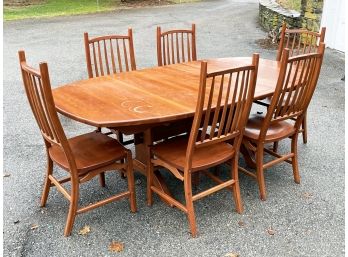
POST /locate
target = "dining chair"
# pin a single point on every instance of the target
(223, 106)
(298, 41)
(107, 55)
(296, 83)
(176, 46)
(83, 157)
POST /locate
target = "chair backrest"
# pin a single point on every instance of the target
(38, 90)
(176, 46)
(299, 41)
(109, 54)
(296, 83)
(223, 106)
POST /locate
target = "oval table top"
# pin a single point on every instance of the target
(149, 96)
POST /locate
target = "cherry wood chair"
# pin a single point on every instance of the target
(83, 157)
(295, 86)
(298, 41)
(176, 46)
(223, 106)
(107, 55)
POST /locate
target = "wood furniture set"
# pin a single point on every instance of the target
(201, 119)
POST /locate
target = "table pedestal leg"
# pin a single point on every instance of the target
(247, 154)
(143, 158)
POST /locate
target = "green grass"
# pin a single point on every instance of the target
(56, 8)
(51, 8)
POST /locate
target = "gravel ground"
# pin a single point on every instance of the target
(307, 219)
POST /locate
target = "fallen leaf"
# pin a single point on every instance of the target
(116, 246)
(16, 222)
(34, 226)
(6, 175)
(307, 195)
(85, 230)
(271, 231)
(241, 223)
(231, 255)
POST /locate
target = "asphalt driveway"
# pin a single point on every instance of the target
(306, 219)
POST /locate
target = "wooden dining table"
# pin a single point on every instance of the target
(151, 103)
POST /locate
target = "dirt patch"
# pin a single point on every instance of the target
(267, 43)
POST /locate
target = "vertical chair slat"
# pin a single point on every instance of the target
(217, 108)
(167, 49)
(106, 58)
(125, 55)
(52, 132)
(182, 47)
(281, 98)
(164, 51)
(232, 106)
(40, 110)
(172, 43)
(109, 57)
(100, 60)
(95, 61)
(301, 85)
(176, 46)
(238, 107)
(119, 56)
(224, 111)
(188, 48)
(207, 113)
(112, 57)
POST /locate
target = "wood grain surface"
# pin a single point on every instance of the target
(149, 96)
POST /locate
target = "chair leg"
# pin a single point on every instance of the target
(304, 127)
(119, 136)
(217, 170)
(131, 186)
(195, 178)
(47, 184)
(294, 159)
(189, 203)
(275, 146)
(259, 172)
(150, 174)
(235, 186)
(73, 207)
(102, 179)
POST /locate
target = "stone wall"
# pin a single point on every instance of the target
(311, 14)
(272, 15)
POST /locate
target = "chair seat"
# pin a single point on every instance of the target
(91, 151)
(275, 132)
(173, 152)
